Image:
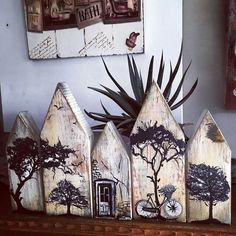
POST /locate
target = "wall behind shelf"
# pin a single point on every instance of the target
(204, 27)
(29, 85)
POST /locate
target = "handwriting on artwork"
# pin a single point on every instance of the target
(100, 42)
(44, 49)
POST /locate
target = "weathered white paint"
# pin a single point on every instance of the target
(155, 109)
(93, 40)
(65, 122)
(113, 163)
(201, 149)
(31, 193)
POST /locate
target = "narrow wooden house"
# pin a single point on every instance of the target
(66, 141)
(158, 161)
(111, 176)
(209, 174)
(24, 167)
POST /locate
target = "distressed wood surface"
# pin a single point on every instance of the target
(158, 163)
(94, 40)
(22, 163)
(111, 170)
(230, 88)
(66, 126)
(209, 173)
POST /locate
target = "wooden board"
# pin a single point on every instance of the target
(111, 176)
(66, 173)
(158, 161)
(23, 164)
(230, 88)
(209, 174)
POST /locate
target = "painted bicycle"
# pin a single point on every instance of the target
(147, 208)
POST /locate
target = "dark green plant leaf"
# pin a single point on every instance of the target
(173, 75)
(150, 75)
(176, 94)
(185, 97)
(105, 110)
(112, 78)
(117, 99)
(161, 72)
(134, 82)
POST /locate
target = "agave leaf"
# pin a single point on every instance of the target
(150, 75)
(105, 110)
(89, 114)
(176, 94)
(109, 117)
(117, 99)
(173, 75)
(121, 101)
(112, 78)
(138, 79)
(185, 97)
(168, 86)
(125, 122)
(132, 102)
(134, 82)
(161, 72)
(98, 127)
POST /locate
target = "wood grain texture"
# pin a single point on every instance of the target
(65, 124)
(208, 154)
(160, 161)
(31, 193)
(111, 162)
(230, 80)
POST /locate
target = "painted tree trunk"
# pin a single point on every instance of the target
(158, 161)
(111, 176)
(67, 173)
(208, 174)
(23, 164)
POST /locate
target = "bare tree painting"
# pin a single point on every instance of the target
(166, 148)
(68, 195)
(208, 184)
(25, 161)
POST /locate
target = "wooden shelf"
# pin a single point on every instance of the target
(18, 224)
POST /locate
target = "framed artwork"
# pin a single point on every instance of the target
(80, 28)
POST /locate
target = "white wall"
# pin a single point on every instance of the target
(204, 44)
(29, 85)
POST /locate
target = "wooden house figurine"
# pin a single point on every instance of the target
(24, 167)
(66, 141)
(158, 161)
(111, 176)
(209, 174)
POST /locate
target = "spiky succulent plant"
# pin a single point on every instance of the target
(132, 106)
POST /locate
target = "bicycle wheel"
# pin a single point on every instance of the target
(145, 209)
(173, 209)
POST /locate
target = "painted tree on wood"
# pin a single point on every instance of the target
(165, 147)
(24, 160)
(68, 195)
(208, 184)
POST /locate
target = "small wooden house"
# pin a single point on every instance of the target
(111, 176)
(24, 167)
(209, 174)
(158, 161)
(66, 141)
